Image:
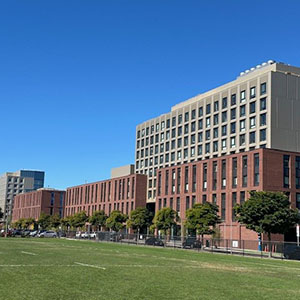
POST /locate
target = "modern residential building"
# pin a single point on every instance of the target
(125, 191)
(32, 204)
(226, 181)
(260, 109)
(14, 183)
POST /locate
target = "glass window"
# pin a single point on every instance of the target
(216, 133)
(242, 125)
(252, 137)
(207, 135)
(193, 114)
(224, 102)
(253, 92)
(200, 111)
(207, 148)
(232, 142)
(286, 171)
(224, 116)
(242, 140)
(233, 114)
(298, 173)
(200, 137)
(252, 122)
(208, 109)
(186, 117)
(233, 99)
(208, 122)
(224, 144)
(245, 170)
(262, 135)
(242, 110)
(232, 127)
(200, 124)
(243, 96)
(263, 88)
(216, 119)
(256, 169)
(223, 206)
(216, 105)
(215, 146)
(263, 119)
(224, 130)
(263, 103)
(179, 119)
(252, 107)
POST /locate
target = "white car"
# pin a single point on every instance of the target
(85, 235)
(33, 233)
(78, 235)
(48, 234)
(93, 235)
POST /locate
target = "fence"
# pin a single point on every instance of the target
(274, 249)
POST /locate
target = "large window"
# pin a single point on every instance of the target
(186, 179)
(245, 170)
(223, 185)
(256, 169)
(194, 178)
(234, 172)
(167, 182)
(215, 175)
(233, 205)
(204, 177)
(263, 88)
(297, 172)
(286, 171)
(223, 207)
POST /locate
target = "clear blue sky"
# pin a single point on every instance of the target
(76, 77)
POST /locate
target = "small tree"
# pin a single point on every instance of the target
(55, 221)
(165, 219)
(67, 222)
(202, 218)
(267, 212)
(79, 219)
(139, 219)
(116, 221)
(44, 221)
(98, 219)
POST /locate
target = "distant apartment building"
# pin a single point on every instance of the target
(32, 204)
(125, 191)
(227, 181)
(260, 109)
(14, 183)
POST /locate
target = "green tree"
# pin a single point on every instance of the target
(55, 221)
(98, 219)
(165, 219)
(67, 222)
(44, 221)
(140, 219)
(202, 218)
(116, 221)
(267, 212)
(18, 224)
(26, 223)
(79, 219)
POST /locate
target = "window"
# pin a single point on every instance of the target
(200, 111)
(224, 144)
(252, 137)
(215, 175)
(263, 119)
(234, 172)
(178, 181)
(187, 202)
(252, 122)
(242, 110)
(253, 92)
(200, 137)
(214, 199)
(262, 135)
(298, 201)
(200, 150)
(233, 205)
(245, 170)
(224, 130)
(256, 169)
(194, 178)
(263, 88)
(224, 102)
(193, 126)
(286, 171)
(186, 117)
(216, 132)
(297, 172)
(243, 96)
(263, 103)
(215, 146)
(204, 186)
(193, 139)
(193, 114)
(232, 127)
(186, 128)
(200, 124)
(207, 135)
(252, 107)
(242, 140)
(208, 109)
(224, 116)
(216, 119)
(208, 122)
(204, 199)
(178, 204)
(232, 142)
(223, 207)
(192, 151)
(233, 99)
(223, 183)
(242, 197)
(179, 131)
(216, 105)
(233, 114)
(186, 179)
(167, 182)
(242, 125)
(207, 148)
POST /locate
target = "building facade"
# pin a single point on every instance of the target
(14, 183)
(226, 181)
(32, 204)
(257, 110)
(124, 193)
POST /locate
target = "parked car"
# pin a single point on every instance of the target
(78, 235)
(153, 241)
(191, 243)
(291, 251)
(93, 235)
(33, 233)
(85, 235)
(25, 233)
(48, 234)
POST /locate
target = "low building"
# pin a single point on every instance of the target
(125, 192)
(32, 204)
(226, 181)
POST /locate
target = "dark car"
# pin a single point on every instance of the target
(291, 251)
(192, 243)
(154, 242)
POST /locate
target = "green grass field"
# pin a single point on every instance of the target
(62, 269)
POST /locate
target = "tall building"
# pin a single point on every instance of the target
(32, 204)
(14, 183)
(259, 109)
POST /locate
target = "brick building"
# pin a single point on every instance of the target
(30, 205)
(226, 181)
(124, 193)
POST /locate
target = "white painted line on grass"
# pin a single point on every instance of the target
(43, 266)
(28, 253)
(90, 266)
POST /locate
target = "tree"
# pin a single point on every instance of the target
(44, 221)
(267, 212)
(55, 221)
(98, 219)
(79, 219)
(203, 218)
(18, 224)
(116, 221)
(139, 219)
(165, 219)
(67, 222)
(26, 223)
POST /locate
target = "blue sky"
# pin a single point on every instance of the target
(76, 77)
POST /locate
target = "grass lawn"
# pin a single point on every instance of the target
(62, 269)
